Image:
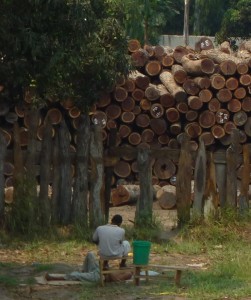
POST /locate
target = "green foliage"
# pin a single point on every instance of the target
(236, 22)
(68, 48)
(22, 217)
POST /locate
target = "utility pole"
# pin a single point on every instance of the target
(186, 23)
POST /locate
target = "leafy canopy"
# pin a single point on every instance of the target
(62, 48)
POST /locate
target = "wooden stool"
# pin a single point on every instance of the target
(113, 268)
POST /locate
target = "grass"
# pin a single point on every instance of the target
(226, 246)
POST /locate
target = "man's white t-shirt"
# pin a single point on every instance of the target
(111, 240)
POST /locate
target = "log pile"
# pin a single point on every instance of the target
(205, 92)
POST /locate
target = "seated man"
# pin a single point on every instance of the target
(111, 242)
(90, 272)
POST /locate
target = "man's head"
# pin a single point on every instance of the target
(117, 220)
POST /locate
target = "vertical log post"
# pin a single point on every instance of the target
(232, 160)
(45, 175)
(96, 180)
(143, 214)
(183, 182)
(80, 192)
(199, 180)
(65, 191)
(243, 198)
(2, 158)
(109, 173)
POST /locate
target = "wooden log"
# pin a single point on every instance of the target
(204, 43)
(172, 114)
(205, 95)
(183, 183)
(134, 138)
(104, 100)
(242, 68)
(145, 104)
(7, 136)
(197, 67)
(122, 169)
(240, 93)
(207, 119)
(234, 105)
(173, 144)
(140, 57)
(40, 132)
(113, 111)
(240, 118)
(136, 110)
(232, 83)
(128, 154)
(193, 145)
(111, 124)
(153, 67)
(166, 196)
(129, 85)
(158, 126)
(217, 131)
(247, 127)
(163, 139)
(9, 181)
(133, 45)
(74, 112)
(159, 51)
(20, 109)
(225, 47)
(138, 94)
(152, 92)
(167, 61)
(179, 73)
(124, 194)
(142, 120)
(218, 56)
(232, 161)
(157, 110)
(222, 116)
(228, 67)
(179, 52)
(217, 81)
(194, 102)
(245, 79)
(203, 82)
(150, 50)
(199, 179)
(243, 198)
(246, 104)
(127, 117)
(120, 93)
(164, 168)
(214, 105)
(53, 114)
(124, 131)
(224, 95)
(211, 196)
(141, 81)
(11, 117)
(147, 135)
(243, 138)
(229, 126)
(207, 138)
(128, 104)
(4, 108)
(175, 128)
(182, 107)
(191, 87)
(193, 129)
(191, 115)
(176, 91)
(166, 99)
(100, 118)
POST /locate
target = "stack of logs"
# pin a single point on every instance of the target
(204, 92)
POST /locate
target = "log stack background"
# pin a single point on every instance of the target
(205, 92)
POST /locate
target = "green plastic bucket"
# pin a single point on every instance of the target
(141, 252)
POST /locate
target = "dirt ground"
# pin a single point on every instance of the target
(25, 271)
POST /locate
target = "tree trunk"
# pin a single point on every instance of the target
(79, 214)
